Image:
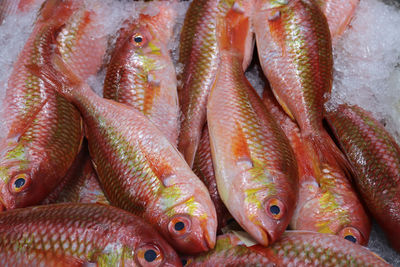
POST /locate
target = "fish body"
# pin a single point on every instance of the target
(79, 235)
(44, 130)
(138, 168)
(295, 51)
(338, 14)
(255, 167)
(294, 248)
(375, 158)
(141, 73)
(327, 202)
(80, 184)
(203, 167)
(199, 56)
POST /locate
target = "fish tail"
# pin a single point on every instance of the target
(57, 11)
(327, 152)
(233, 30)
(58, 76)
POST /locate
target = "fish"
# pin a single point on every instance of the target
(295, 51)
(199, 59)
(294, 248)
(44, 130)
(80, 184)
(375, 157)
(204, 169)
(255, 167)
(77, 234)
(338, 14)
(138, 168)
(327, 201)
(141, 72)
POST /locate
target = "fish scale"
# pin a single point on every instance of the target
(138, 168)
(76, 234)
(141, 74)
(254, 163)
(375, 158)
(294, 248)
(200, 58)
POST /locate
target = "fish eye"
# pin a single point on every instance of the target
(351, 238)
(179, 225)
(184, 262)
(149, 255)
(275, 208)
(351, 234)
(138, 39)
(19, 182)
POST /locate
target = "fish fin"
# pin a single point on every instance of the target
(326, 152)
(283, 105)
(7, 7)
(233, 30)
(62, 79)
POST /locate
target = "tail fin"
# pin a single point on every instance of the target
(233, 30)
(57, 75)
(57, 10)
(327, 152)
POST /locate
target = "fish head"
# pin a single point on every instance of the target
(264, 199)
(331, 206)
(17, 177)
(191, 225)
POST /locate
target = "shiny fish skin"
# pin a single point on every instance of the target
(138, 168)
(141, 74)
(327, 202)
(204, 169)
(338, 14)
(44, 130)
(295, 248)
(79, 235)
(199, 56)
(375, 157)
(80, 184)
(295, 51)
(254, 164)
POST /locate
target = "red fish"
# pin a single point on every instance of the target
(138, 168)
(295, 248)
(254, 164)
(141, 73)
(199, 55)
(80, 235)
(327, 202)
(44, 129)
(295, 51)
(203, 167)
(375, 158)
(80, 184)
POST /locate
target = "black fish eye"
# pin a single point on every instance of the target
(138, 39)
(274, 209)
(179, 226)
(184, 262)
(150, 255)
(351, 238)
(19, 183)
